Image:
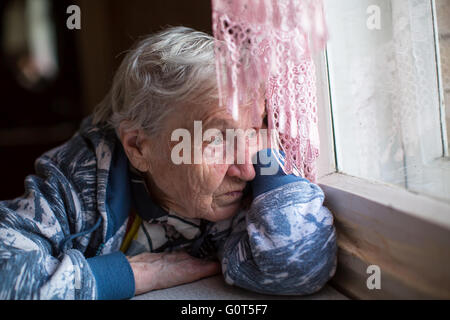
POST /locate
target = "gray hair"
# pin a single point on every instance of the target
(173, 67)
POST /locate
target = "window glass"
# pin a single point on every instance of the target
(388, 115)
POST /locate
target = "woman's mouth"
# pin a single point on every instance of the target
(231, 198)
(234, 194)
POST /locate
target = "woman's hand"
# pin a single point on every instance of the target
(154, 271)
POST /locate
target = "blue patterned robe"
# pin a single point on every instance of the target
(61, 239)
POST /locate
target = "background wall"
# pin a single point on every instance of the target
(37, 115)
(110, 27)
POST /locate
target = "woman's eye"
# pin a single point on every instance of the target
(252, 137)
(252, 134)
(217, 141)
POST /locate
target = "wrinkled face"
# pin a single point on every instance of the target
(212, 188)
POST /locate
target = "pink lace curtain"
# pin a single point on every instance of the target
(267, 44)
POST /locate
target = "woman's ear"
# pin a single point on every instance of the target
(132, 142)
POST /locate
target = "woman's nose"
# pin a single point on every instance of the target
(245, 172)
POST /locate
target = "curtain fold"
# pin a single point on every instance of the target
(263, 50)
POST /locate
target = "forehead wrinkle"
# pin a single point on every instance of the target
(220, 118)
(219, 123)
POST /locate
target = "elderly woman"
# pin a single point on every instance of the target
(110, 214)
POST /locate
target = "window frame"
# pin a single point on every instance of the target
(440, 84)
(405, 233)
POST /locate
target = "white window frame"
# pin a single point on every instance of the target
(405, 233)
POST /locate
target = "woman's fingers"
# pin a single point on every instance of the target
(180, 268)
(154, 271)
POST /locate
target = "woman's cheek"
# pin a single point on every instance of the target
(202, 181)
(217, 173)
(220, 170)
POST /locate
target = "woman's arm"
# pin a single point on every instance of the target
(286, 243)
(33, 262)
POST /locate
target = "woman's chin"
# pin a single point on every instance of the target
(224, 212)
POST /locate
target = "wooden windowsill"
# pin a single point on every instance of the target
(406, 234)
(215, 288)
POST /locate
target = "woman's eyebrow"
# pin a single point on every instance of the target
(220, 124)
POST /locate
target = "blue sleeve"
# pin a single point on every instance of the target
(113, 276)
(285, 243)
(33, 228)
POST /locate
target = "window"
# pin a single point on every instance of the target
(384, 164)
(386, 94)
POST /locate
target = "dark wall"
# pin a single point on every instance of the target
(35, 120)
(110, 27)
